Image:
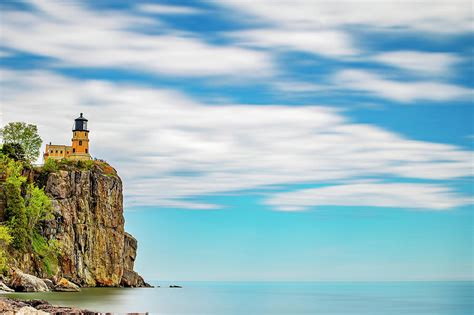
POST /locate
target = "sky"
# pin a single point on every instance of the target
(264, 140)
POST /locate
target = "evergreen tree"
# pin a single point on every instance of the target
(15, 206)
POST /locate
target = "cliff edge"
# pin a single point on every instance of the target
(88, 225)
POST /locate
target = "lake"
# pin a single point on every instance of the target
(275, 298)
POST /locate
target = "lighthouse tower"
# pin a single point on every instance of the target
(80, 139)
(80, 144)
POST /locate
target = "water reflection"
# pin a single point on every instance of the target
(94, 299)
(211, 298)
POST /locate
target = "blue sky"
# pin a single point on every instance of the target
(264, 140)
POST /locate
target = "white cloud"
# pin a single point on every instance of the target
(389, 195)
(446, 16)
(326, 43)
(323, 27)
(76, 36)
(402, 91)
(171, 150)
(420, 62)
(167, 9)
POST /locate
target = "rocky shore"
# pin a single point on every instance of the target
(19, 281)
(37, 307)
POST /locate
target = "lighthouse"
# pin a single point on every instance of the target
(79, 150)
(80, 139)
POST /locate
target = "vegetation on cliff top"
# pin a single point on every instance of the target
(26, 207)
(52, 166)
(26, 204)
(24, 135)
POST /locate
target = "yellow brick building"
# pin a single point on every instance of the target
(79, 150)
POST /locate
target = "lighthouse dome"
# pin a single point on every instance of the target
(80, 124)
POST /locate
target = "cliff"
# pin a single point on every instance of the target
(88, 226)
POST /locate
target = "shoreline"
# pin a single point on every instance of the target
(15, 305)
(215, 298)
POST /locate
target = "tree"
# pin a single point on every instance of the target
(38, 207)
(14, 151)
(24, 134)
(15, 209)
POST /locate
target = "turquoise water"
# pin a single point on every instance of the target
(276, 298)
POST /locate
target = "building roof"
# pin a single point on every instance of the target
(81, 118)
(58, 146)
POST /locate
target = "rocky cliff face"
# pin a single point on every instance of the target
(89, 225)
(129, 277)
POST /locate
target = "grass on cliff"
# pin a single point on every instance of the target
(47, 251)
(53, 166)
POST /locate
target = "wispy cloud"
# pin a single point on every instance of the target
(172, 150)
(323, 27)
(154, 8)
(377, 194)
(420, 62)
(402, 91)
(428, 16)
(332, 30)
(179, 150)
(75, 36)
(299, 86)
(326, 43)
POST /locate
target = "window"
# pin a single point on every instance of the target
(56, 151)
(85, 134)
(50, 151)
(61, 152)
(86, 151)
(73, 150)
(80, 142)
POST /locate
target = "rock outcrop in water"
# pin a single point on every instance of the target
(88, 225)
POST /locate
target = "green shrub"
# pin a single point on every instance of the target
(51, 166)
(85, 165)
(38, 206)
(26, 205)
(88, 164)
(47, 251)
(67, 162)
(5, 240)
